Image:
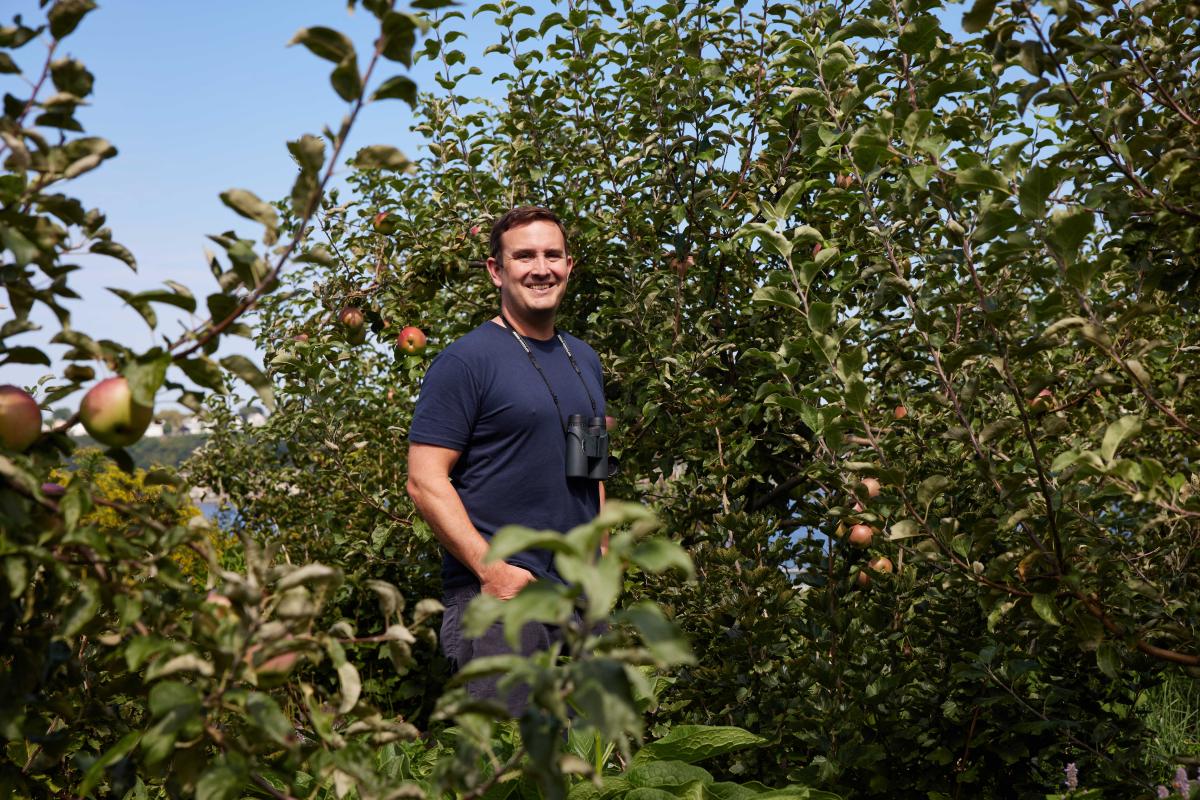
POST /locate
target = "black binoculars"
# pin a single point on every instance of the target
(587, 449)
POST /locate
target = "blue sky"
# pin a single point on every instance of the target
(199, 98)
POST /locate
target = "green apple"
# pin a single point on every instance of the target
(110, 415)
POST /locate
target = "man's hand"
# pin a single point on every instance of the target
(503, 580)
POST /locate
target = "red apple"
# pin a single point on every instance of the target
(880, 564)
(20, 419)
(412, 340)
(861, 535)
(110, 415)
(900, 413)
(1042, 401)
(871, 485)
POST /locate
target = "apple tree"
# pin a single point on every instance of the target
(846, 267)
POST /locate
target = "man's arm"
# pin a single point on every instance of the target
(438, 502)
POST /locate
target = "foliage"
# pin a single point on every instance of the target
(815, 244)
(818, 244)
(148, 492)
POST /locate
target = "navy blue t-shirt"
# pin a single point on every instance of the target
(482, 397)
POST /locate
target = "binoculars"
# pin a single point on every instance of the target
(587, 449)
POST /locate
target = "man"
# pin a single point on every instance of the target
(487, 447)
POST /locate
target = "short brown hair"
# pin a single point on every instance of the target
(523, 215)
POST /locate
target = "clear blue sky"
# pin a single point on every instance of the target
(199, 98)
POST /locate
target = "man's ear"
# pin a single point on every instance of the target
(494, 268)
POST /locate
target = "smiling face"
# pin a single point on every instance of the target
(531, 274)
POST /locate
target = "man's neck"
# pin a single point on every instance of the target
(534, 329)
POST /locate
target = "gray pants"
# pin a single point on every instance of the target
(461, 650)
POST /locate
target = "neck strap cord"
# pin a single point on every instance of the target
(538, 367)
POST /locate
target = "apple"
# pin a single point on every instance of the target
(861, 535)
(610, 423)
(352, 320)
(110, 415)
(880, 564)
(351, 317)
(383, 223)
(863, 579)
(20, 419)
(412, 340)
(844, 181)
(871, 485)
(300, 337)
(1042, 401)
(817, 248)
(900, 413)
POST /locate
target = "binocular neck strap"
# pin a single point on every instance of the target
(538, 367)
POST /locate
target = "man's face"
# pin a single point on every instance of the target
(533, 269)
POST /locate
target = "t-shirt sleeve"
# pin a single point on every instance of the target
(447, 407)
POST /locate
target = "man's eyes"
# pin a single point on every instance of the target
(526, 256)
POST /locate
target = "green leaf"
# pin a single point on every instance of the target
(1108, 659)
(81, 610)
(666, 774)
(979, 16)
(1117, 432)
(931, 488)
(224, 780)
(601, 582)
(1066, 231)
(310, 575)
(325, 43)
(662, 637)
(251, 207)
(982, 178)
(768, 237)
(204, 371)
(775, 296)
(399, 88)
(919, 35)
(820, 316)
(248, 371)
(168, 695)
(692, 743)
(118, 251)
(1046, 608)
(270, 718)
(399, 32)
(868, 146)
(513, 539)
(904, 529)
(146, 377)
(65, 15)
(95, 772)
(540, 601)
(309, 152)
(381, 156)
(346, 80)
(72, 77)
(658, 555)
(23, 250)
(24, 355)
